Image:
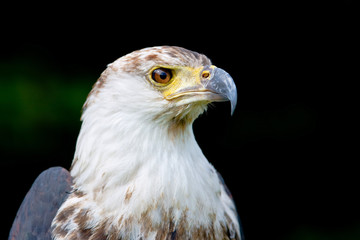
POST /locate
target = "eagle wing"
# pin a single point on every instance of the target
(234, 234)
(34, 217)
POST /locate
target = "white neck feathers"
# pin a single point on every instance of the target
(135, 161)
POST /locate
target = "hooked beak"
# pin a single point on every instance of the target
(213, 84)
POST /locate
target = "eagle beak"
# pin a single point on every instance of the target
(209, 84)
(221, 83)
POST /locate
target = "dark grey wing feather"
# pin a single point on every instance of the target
(38, 209)
(227, 191)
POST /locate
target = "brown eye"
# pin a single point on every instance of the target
(161, 75)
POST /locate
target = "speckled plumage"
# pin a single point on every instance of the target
(138, 171)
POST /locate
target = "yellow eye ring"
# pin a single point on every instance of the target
(161, 75)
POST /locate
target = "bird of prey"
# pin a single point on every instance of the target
(138, 172)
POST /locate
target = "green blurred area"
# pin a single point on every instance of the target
(38, 104)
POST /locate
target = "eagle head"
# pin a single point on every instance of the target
(169, 85)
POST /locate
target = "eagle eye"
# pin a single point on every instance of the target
(161, 75)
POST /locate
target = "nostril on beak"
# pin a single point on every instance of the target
(205, 74)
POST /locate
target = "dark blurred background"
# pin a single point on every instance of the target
(288, 153)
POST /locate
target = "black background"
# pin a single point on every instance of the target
(288, 152)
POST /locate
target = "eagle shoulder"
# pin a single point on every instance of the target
(40, 205)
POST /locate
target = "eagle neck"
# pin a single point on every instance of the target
(118, 156)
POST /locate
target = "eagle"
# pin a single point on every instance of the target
(138, 172)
